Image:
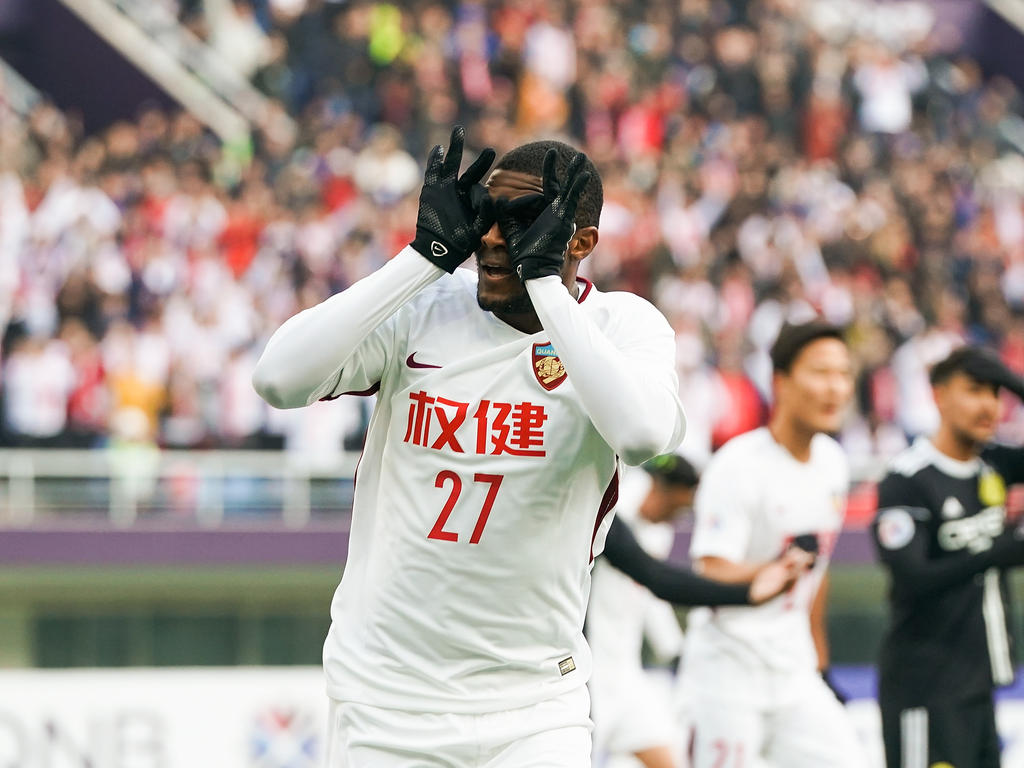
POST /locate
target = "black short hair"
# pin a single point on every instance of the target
(529, 158)
(981, 364)
(673, 469)
(795, 336)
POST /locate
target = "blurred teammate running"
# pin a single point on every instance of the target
(756, 677)
(632, 715)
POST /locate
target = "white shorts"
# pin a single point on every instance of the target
(633, 713)
(551, 734)
(806, 728)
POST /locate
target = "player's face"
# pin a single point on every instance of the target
(969, 407)
(818, 386)
(665, 501)
(498, 287)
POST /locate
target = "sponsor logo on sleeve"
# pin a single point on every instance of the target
(895, 528)
(567, 665)
(991, 488)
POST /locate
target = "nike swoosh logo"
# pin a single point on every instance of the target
(413, 364)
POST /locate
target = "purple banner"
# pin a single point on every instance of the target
(264, 544)
(150, 545)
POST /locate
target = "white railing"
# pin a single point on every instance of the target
(15, 91)
(133, 484)
(1011, 10)
(157, 20)
(183, 65)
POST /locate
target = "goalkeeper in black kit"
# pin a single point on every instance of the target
(942, 533)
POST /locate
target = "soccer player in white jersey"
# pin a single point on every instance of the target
(631, 714)
(631, 600)
(504, 398)
(754, 676)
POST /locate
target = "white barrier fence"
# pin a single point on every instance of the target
(129, 483)
(229, 718)
(162, 718)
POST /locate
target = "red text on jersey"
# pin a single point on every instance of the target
(514, 429)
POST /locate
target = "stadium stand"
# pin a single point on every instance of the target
(762, 163)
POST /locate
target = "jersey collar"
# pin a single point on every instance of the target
(949, 465)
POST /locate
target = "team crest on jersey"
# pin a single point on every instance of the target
(548, 368)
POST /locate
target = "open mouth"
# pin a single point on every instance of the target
(494, 271)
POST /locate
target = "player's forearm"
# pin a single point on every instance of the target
(638, 418)
(310, 348)
(918, 578)
(729, 571)
(676, 585)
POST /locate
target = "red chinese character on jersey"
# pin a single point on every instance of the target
(419, 418)
(516, 430)
(424, 411)
(449, 425)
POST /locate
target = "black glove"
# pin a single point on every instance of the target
(537, 241)
(808, 542)
(455, 211)
(826, 675)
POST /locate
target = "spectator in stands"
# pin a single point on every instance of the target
(38, 381)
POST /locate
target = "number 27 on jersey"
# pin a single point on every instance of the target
(446, 476)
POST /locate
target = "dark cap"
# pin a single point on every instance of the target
(673, 469)
(981, 364)
(795, 336)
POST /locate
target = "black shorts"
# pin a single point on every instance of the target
(961, 733)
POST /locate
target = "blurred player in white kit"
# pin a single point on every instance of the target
(632, 597)
(756, 678)
(632, 715)
(490, 465)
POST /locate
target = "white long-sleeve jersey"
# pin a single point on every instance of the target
(754, 499)
(483, 490)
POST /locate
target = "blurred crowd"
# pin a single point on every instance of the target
(763, 160)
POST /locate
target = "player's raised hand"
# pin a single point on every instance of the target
(537, 240)
(779, 575)
(455, 211)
